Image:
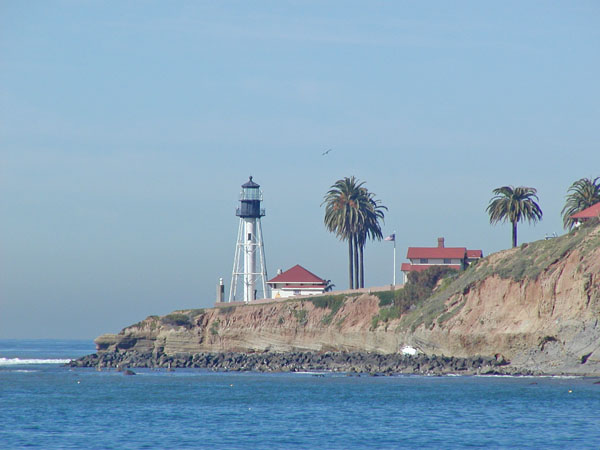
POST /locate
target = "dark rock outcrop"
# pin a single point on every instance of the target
(355, 362)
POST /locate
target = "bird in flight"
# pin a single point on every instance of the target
(327, 151)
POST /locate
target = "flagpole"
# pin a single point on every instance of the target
(392, 237)
(394, 278)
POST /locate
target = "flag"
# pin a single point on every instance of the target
(391, 237)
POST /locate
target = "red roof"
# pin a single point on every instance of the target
(436, 252)
(588, 213)
(302, 286)
(297, 274)
(406, 267)
(474, 254)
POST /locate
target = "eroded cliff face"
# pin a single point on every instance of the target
(537, 306)
(292, 325)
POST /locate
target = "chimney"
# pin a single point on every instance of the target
(220, 291)
(441, 242)
(279, 271)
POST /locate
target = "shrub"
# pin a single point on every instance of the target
(300, 315)
(419, 287)
(332, 302)
(226, 309)
(177, 319)
(214, 328)
(385, 297)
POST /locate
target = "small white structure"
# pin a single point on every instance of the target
(296, 281)
(249, 246)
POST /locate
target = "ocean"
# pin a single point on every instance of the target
(49, 406)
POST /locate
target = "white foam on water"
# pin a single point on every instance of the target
(22, 362)
(308, 373)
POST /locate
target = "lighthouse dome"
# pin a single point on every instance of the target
(250, 184)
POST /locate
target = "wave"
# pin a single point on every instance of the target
(22, 362)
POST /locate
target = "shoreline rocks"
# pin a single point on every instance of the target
(348, 362)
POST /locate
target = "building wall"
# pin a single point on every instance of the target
(283, 293)
(437, 261)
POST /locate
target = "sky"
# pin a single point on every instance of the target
(128, 127)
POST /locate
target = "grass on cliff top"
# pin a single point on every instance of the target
(530, 260)
(179, 318)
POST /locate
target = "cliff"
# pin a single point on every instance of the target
(536, 306)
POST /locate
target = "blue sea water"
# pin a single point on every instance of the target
(46, 405)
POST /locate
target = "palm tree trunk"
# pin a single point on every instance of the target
(362, 267)
(514, 234)
(356, 266)
(350, 267)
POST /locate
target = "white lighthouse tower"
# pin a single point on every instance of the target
(249, 247)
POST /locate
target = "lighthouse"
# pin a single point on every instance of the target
(249, 249)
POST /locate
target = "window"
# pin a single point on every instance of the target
(424, 261)
(296, 291)
(249, 236)
(447, 261)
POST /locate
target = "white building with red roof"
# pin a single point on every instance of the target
(422, 258)
(296, 281)
(587, 214)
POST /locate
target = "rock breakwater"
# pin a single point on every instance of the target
(353, 362)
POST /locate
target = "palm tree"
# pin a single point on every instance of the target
(328, 286)
(370, 228)
(342, 215)
(353, 213)
(583, 193)
(513, 205)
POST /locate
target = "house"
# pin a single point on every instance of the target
(296, 281)
(422, 258)
(587, 214)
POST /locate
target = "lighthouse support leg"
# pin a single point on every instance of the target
(237, 261)
(261, 257)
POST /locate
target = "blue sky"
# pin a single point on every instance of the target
(127, 128)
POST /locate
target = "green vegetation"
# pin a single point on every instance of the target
(177, 319)
(531, 260)
(226, 309)
(386, 298)
(331, 302)
(340, 322)
(353, 214)
(214, 327)
(420, 286)
(514, 205)
(301, 316)
(385, 315)
(149, 321)
(451, 313)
